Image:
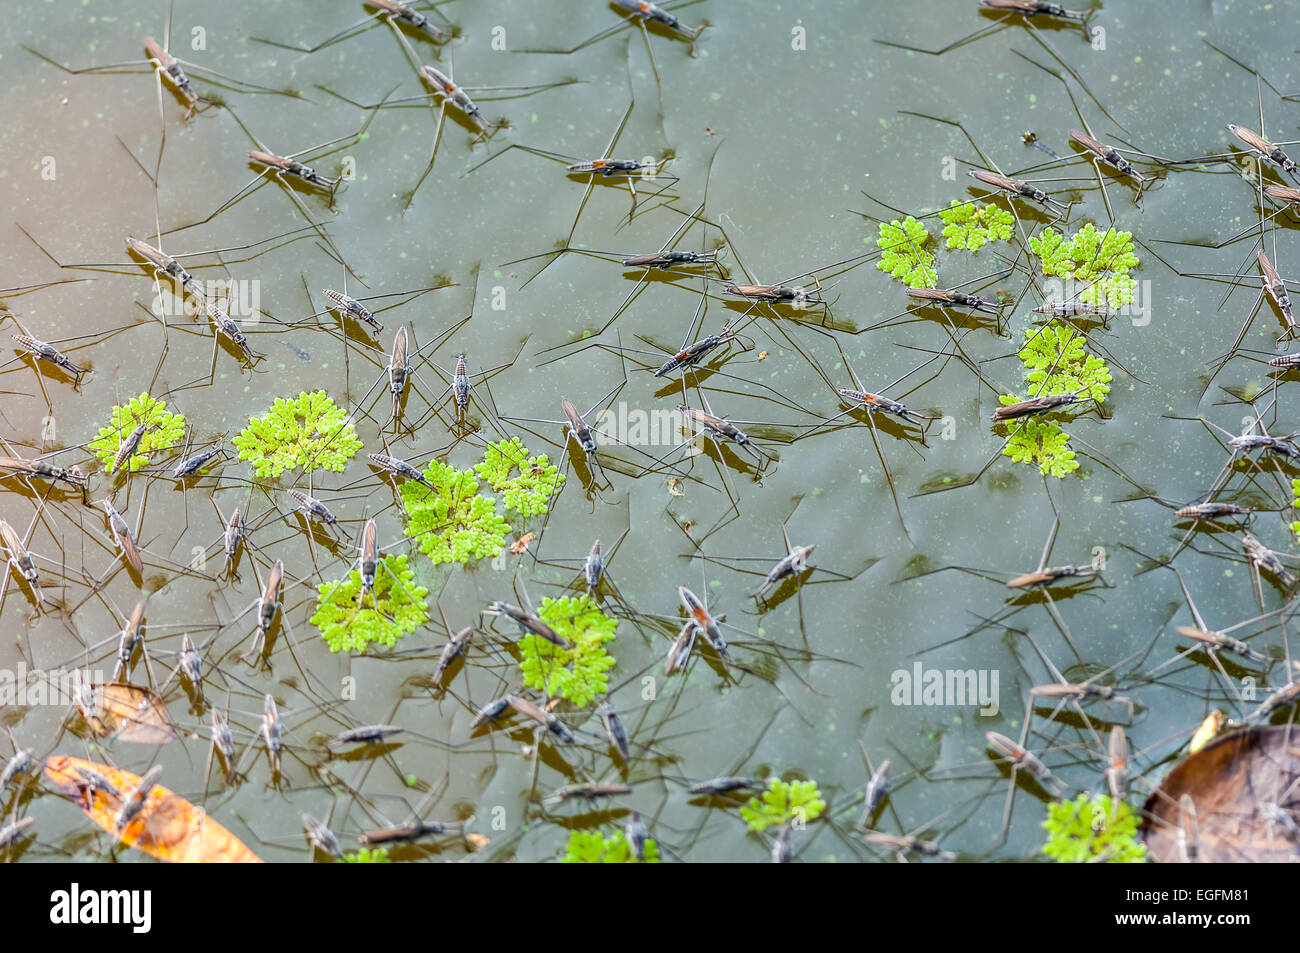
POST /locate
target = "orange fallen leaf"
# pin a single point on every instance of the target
(520, 545)
(168, 827)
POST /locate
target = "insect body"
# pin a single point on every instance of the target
(346, 304)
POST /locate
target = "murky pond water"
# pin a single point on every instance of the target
(778, 119)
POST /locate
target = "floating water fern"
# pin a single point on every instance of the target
(166, 430)
(577, 673)
(1295, 504)
(591, 847)
(308, 431)
(784, 802)
(969, 226)
(389, 612)
(1102, 260)
(528, 492)
(1056, 363)
(367, 856)
(1039, 443)
(1088, 830)
(904, 255)
(451, 521)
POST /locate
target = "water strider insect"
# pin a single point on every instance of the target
(130, 638)
(691, 354)
(460, 386)
(588, 791)
(123, 537)
(455, 646)
(604, 168)
(777, 293)
(365, 734)
(1210, 511)
(1037, 405)
(389, 11)
(877, 790)
(726, 785)
(272, 730)
(41, 469)
(48, 353)
(1025, 760)
(313, 509)
(191, 465)
(1002, 183)
(1108, 155)
(908, 844)
(14, 831)
(636, 833)
(1264, 559)
(542, 717)
(679, 652)
(953, 296)
(1220, 641)
(285, 165)
(704, 620)
(398, 468)
(347, 305)
(17, 557)
(1286, 695)
(134, 800)
(715, 427)
(164, 264)
(399, 370)
(491, 711)
(1276, 289)
(1257, 143)
(614, 728)
(321, 836)
(268, 606)
(529, 624)
(129, 445)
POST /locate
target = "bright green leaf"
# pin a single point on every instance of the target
(167, 431)
(388, 612)
(308, 431)
(577, 673)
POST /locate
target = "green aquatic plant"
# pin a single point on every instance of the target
(1295, 504)
(367, 856)
(577, 673)
(1101, 260)
(784, 802)
(308, 431)
(1039, 443)
(166, 430)
(591, 847)
(969, 226)
(390, 611)
(1056, 363)
(1092, 829)
(537, 481)
(451, 521)
(904, 255)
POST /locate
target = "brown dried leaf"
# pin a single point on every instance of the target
(129, 712)
(520, 546)
(1231, 781)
